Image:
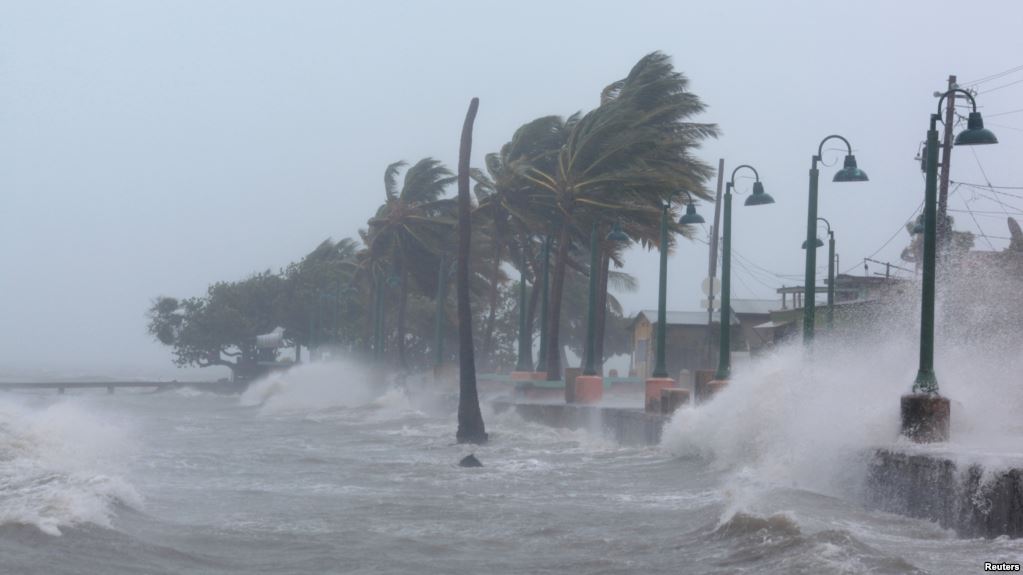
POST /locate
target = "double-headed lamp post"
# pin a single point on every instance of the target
(590, 385)
(660, 379)
(831, 269)
(925, 413)
(849, 173)
(758, 198)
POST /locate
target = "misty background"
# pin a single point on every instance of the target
(153, 148)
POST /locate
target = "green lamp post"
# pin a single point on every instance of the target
(925, 414)
(849, 173)
(758, 198)
(831, 269)
(689, 218)
(616, 235)
(541, 362)
(525, 361)
(382, 285)
(438, 325)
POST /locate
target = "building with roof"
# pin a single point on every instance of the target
(690, 343)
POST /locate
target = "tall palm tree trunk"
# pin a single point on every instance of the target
(554, 310)
(470, 419)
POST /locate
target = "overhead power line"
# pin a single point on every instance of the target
(996, 88)
(996, 76)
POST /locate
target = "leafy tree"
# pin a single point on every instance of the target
(221, 327)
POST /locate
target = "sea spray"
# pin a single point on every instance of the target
(810, 418)
(314, 386)
(60, 465)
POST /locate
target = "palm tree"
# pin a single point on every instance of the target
(409, 230)
(622, 159)
(470, 419)
(506, 212)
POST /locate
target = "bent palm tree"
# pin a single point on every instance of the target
(621, 160)
(409, 230)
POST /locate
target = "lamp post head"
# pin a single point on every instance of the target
(849, 171)
(816, 244)
(617, 235)
(975, 133)
(759, 197)
(691, 217)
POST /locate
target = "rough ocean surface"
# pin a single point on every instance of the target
(317, 473)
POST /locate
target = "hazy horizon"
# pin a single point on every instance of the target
(152, 149)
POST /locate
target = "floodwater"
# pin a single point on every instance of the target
(316, 472)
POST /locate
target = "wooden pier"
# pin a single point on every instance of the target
(225, 387)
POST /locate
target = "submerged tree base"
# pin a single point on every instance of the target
(477, 438)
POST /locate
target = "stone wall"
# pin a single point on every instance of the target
(624, 425)
(956, 497)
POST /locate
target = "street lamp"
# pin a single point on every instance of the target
(541, 362)
(849, 173)
(525, 363)
(659, 379)
(831, 269)
(758, 198)
(438, 326)
(689, 218)
(925, 413)
(381, 285)
(590, 385)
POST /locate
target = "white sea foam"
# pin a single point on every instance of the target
(811, 422)
(58, 467)
(321, 386)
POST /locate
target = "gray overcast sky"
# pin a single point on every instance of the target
(152, 148)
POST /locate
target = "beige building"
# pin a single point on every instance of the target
(690, 344)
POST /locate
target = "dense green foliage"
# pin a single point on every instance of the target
(557, 178)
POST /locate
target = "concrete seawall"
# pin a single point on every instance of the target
(628, 426)
(966, 497)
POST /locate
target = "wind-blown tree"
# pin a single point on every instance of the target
(220, 328)
(621, 161)
(321, 289)
(409, 230)
(507, 212)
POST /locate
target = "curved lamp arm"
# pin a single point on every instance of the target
(973, 102)
(731, 181)
(820, 148)
(827, 223)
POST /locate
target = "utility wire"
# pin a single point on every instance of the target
(993, 76)
(1000, 87)
(988, 186)
(901, 228)
(1005, 113)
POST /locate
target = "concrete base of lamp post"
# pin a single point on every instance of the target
(700, 380)
(570, 375)
(925, 417)
(672, 399)
(589, 389)
(529, 376)
(713, 387)
(654, 385)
